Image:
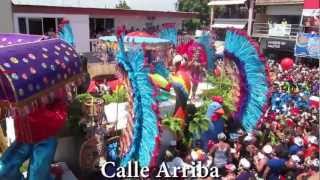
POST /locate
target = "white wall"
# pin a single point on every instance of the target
(140, 21)
(284, 10)
(79, 24)
(6, 21)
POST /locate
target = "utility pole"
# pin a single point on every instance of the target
(211, 17)
(250, 18)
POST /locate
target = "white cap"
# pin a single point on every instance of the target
(298, 141)
(198, 33)
(315, 162)
(245, 163)
(248, 138)
(233, 150)
(267, 149)
(313, 140)
(261, 155)
(295, 158)
(177, 58)
(230, 167)
(173, 143)
(222, 136)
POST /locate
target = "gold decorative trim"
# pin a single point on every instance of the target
(46, 91)
(11, 84)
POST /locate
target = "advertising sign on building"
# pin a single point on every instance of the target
(280, 44)
(308, 45)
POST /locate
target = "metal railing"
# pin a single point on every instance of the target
(94, 43)
(285, 31)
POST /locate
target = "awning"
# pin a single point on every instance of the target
(229, 23)
(311, 8)
(225, 2)
(311, 12)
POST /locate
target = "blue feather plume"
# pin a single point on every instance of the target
(254, 77)
(66, 34)
(112, 151)
(169, 33)
(161, 69)
(145, 127)
(206, 41)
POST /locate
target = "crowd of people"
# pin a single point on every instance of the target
(285, 144)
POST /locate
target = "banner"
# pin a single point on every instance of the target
(307, 45)
(279, 29)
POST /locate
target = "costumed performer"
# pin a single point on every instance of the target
(216, 125)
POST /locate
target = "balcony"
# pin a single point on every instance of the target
(277, 31)
(278, 2)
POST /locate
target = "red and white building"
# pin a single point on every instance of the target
(42, 17)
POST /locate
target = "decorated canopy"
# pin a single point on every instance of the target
(12, 39)
(140, 34)
(150, 42)
(29, 69)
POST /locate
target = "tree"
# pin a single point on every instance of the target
(123, 5)
(200, 6)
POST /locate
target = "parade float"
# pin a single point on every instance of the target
(38, 79)
(134, 115)
(245, 67)
(116, 122)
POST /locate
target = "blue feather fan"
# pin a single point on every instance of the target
(145, 127)
(254, 77)
(169, 33)
(161, 69)
(206, 41)
(66, 34)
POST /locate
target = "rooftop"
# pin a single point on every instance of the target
(96, 7)
(279, 2)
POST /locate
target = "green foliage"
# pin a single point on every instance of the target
(223, 86)
(75, 113)
(119, 96)
(200, 6)
(24, 167)
(192, 24)
(173, 124)
(82, 97)
(198, 125)
(123, 5)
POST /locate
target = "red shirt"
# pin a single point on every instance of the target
(310, 150)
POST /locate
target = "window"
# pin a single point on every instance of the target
(35, 26)
(100, 26)
(22, 25)
(109, 23)
(38, 26)
(232, 11)
(49, 25)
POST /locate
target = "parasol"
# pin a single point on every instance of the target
(29, 70)
(140, 34)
